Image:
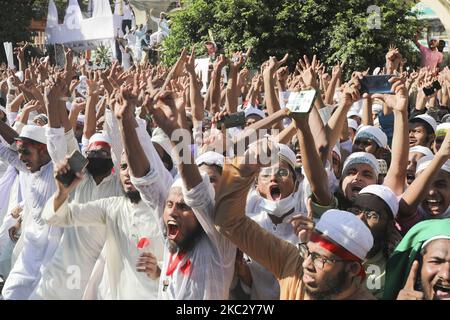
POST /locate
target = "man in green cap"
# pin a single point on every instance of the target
(419, 268)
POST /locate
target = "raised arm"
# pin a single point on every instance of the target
(90, 116)
(137, 160)
(312, 166)
(396, 175)
(272, 103)
(417, 191)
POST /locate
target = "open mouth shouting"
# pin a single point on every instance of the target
(275, 192)
(441, 291)
(173, 229)
(434, 206)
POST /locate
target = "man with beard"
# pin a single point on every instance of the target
(198, 261)
(419, 268)
(128, 221)
(428, 197)
(328, 266)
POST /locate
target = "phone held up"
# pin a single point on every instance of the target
(236, 119)
(77, 163)
(435, 86)
(301, 102)
(376, 84)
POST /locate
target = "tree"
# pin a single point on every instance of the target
(333, 30)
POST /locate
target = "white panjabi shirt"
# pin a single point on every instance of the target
(204, 272)
(39, 240)
(125, 223)
(79, 247)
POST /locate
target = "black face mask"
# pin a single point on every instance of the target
(99, 166)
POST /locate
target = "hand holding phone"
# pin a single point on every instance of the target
(77, 162)
(301, 102)
(435, 86)
(233, 120)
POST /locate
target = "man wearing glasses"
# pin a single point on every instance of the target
(328, 266)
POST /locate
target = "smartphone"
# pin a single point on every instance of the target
(301, 102)
(77, 163)
(436, 86)
(233, 120)
(376, 84)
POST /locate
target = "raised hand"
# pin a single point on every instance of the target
(125, 103)
(408, 292)
(273, 64)
(304, 226)
(398, 101)
(309, 74)
(61, 169)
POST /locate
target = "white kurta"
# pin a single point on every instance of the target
(125, 224)
(66, 276)
(206, 271)
(79, 247)
(39, 239)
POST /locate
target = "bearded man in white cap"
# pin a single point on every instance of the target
(39, 240)
(328, 266)
(198, 261)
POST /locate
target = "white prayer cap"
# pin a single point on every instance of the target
(361, 158)
(19, 75)
(421, 149)
(254, 111)
(442, 129)
(81, 118)
(210, 158)
(41, 116)
(286, 154)
(338, 152)
(352, 113)
(99, 138)
(443, 237)
(385, 193)
(159, 137)
(377, 108)
(347, 230)
(178, 183)
(352, 124)
(445, 118)
(427, 119)
(376, 71)
(424, 162)
(33, 132)
(373, 133)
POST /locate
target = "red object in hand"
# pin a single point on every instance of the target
(143, 242)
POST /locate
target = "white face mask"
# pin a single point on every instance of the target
(281, 207)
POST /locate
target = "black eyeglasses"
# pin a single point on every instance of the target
(318, 260)
(368, 214)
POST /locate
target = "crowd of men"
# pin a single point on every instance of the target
(350, 200)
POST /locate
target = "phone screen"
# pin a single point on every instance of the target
(233, 120)
(376, 84)
(301, 102)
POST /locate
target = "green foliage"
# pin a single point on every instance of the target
(334, 30)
